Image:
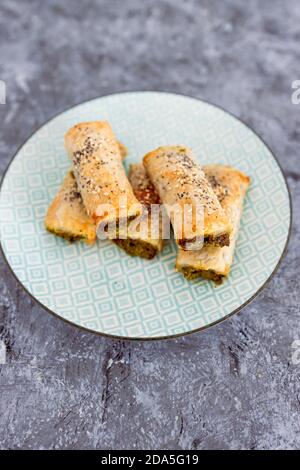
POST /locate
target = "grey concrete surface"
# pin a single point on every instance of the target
(231, 387)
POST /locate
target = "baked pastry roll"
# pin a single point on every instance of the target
(102, 182)
(211, 262)
(181, 184)
(144, 237)
(67, 217)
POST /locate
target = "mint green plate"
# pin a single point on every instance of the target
(102, 289)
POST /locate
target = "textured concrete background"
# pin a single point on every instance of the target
(233, 386)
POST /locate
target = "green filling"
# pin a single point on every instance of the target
(218, 240)
(139, 248)
(190, 274)
(66, 235)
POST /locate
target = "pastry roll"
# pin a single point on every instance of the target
(181, 184)
(67, 217)
(141, 240)
(101, 178)
(211, 262)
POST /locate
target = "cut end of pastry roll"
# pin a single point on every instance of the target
(101, 179)
(182, 184)
(191, 274)
(142, 244)
(212, 262)
(66, 216)
(222, 239)
(137, 247)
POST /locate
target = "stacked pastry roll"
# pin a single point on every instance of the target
(102, 182)
(67, 216)
(220, 190)
(97, 193)
(198, 217)
(73, 212)
(213, 262)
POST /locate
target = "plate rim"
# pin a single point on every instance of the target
(177, 335)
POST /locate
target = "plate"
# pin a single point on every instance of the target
(101, 288)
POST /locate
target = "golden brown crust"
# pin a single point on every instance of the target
(123, 149)
(142, 187)
(66, 215)
(212, 262)
(98, 169)
(179, 180)
(227, 182)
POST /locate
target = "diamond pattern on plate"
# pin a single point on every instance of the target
(100, 287)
